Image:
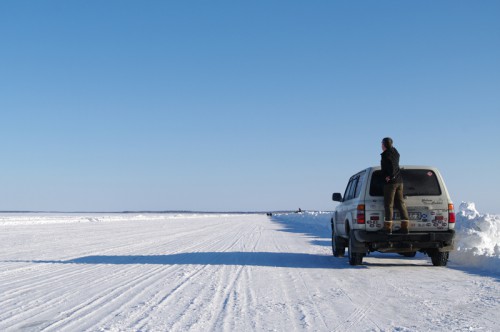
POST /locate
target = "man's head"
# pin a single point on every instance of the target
(386, 143)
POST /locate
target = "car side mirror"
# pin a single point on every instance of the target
(337, 197)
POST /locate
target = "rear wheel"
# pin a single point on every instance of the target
(338, 247)
(439, 258)
(355, 258)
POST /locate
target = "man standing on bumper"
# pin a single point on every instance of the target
(393, 187)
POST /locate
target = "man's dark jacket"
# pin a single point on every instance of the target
(390, 165)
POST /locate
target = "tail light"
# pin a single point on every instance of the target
(451, 213)
(360, 217)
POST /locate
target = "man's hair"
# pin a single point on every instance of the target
(387, 141)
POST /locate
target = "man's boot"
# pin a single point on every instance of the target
(405, 224)
(387, 227)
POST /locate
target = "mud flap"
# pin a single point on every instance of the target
(356, 245)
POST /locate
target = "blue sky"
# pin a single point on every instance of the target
(241, 105)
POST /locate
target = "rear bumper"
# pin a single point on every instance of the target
(406, 242)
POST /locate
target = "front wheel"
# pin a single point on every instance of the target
(439, 258)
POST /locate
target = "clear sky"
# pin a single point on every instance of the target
(242, 105)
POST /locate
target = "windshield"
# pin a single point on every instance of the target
(416, 182)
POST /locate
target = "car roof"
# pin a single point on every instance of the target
(408, 167)
(377, 168)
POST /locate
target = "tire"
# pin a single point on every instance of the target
(355, 258)
(439, 258)
(338, 247)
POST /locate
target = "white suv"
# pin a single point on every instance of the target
(358, 219)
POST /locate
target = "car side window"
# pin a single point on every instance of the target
(359, 183)
(347, 190)
(351, 189)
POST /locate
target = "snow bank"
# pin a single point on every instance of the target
(478, 239)
(315, 224)
(314, 219)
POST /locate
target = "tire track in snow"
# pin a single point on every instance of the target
(216, 285)
(150, 282)
(52, 277)
(232, 296)
(224, 298)
(368, 302)
(32, 307)
(75, 315)
(138, 320)
(238, 299)
(294, 311)
(158, 302)
(308, 310)
(364, 304)
(210, 292)
(39, 306)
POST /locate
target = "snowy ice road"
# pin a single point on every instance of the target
(230, 272)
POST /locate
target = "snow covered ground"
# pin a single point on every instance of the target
(234, 272)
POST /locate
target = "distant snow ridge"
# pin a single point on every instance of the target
(12, 219)
(478, 238)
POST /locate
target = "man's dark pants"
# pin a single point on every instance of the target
(393, 196)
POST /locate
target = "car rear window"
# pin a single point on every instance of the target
(416, 182)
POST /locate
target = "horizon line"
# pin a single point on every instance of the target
(160, 211)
